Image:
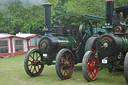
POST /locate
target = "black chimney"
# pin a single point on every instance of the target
(47, 13)
(109, 16)
(109, 11)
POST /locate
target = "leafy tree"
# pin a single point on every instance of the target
(24, 19)
(30, 19)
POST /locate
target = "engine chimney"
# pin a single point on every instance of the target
(109, 11)
(109, 16)
(47, 13)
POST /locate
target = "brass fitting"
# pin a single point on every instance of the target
(105, 45)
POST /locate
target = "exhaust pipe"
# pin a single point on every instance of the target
(109, 16)
(109, 11)
(47, 14)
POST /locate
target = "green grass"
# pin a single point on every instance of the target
(12, 73)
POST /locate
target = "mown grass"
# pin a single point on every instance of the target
(12, 73)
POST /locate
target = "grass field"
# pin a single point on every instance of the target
(12, 73)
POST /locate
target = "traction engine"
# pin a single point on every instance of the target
(111, 48)
(60, 46)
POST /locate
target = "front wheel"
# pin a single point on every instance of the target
(126, 67)
(31, 63)
(64, 64)
(90, 67)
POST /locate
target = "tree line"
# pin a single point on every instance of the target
(30, 19)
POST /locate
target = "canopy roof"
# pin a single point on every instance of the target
(79, 15)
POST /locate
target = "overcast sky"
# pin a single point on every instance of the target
(25, 2)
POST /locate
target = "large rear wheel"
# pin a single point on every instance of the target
(64, 64)
(126, 67)
(90, 67)
(32, 63)
(91, 44)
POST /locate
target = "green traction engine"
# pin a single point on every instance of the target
(111, 48)
(60, 45)
(55, 47)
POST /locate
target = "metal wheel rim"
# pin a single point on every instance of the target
(66, 64)
(92, 70)
(33, 66)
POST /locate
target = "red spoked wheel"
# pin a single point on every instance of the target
(90, 67)
(64, 64)
(32, 63)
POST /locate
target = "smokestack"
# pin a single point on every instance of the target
(109, 11)
(47, 13)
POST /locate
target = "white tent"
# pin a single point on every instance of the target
(34, 38)
(11, 45)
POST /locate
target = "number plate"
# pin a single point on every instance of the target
(44, 54)
(104, 61)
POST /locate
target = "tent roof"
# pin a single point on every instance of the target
(5, 36)
(9, 35)
(27, 35)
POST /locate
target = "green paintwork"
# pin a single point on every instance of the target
(96, 30)
(124, 44)
(66, 42)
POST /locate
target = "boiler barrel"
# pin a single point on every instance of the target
(52, 44)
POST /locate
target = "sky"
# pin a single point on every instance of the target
(4, 4)
(25, 2)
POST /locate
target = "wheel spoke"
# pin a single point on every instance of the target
(38, 67)
(89, 61)
(67, 57)
(32, 57)
(64, 73)
(62, 58)
(70, 60)
(88, 66)
(37, 57)
(35, 69)
(91, 71)
(29, 64)
(30, 60)
(30, 68)
(62, 66)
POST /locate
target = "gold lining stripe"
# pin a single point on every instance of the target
(106, 38)
(59, 44)
(74, 39)
(67, 41)
(64, 44)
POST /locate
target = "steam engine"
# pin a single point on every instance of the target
(115, 42)
(60, 45)
(112, 48)
(57, 37)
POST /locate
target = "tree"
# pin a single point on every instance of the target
(30, 19)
